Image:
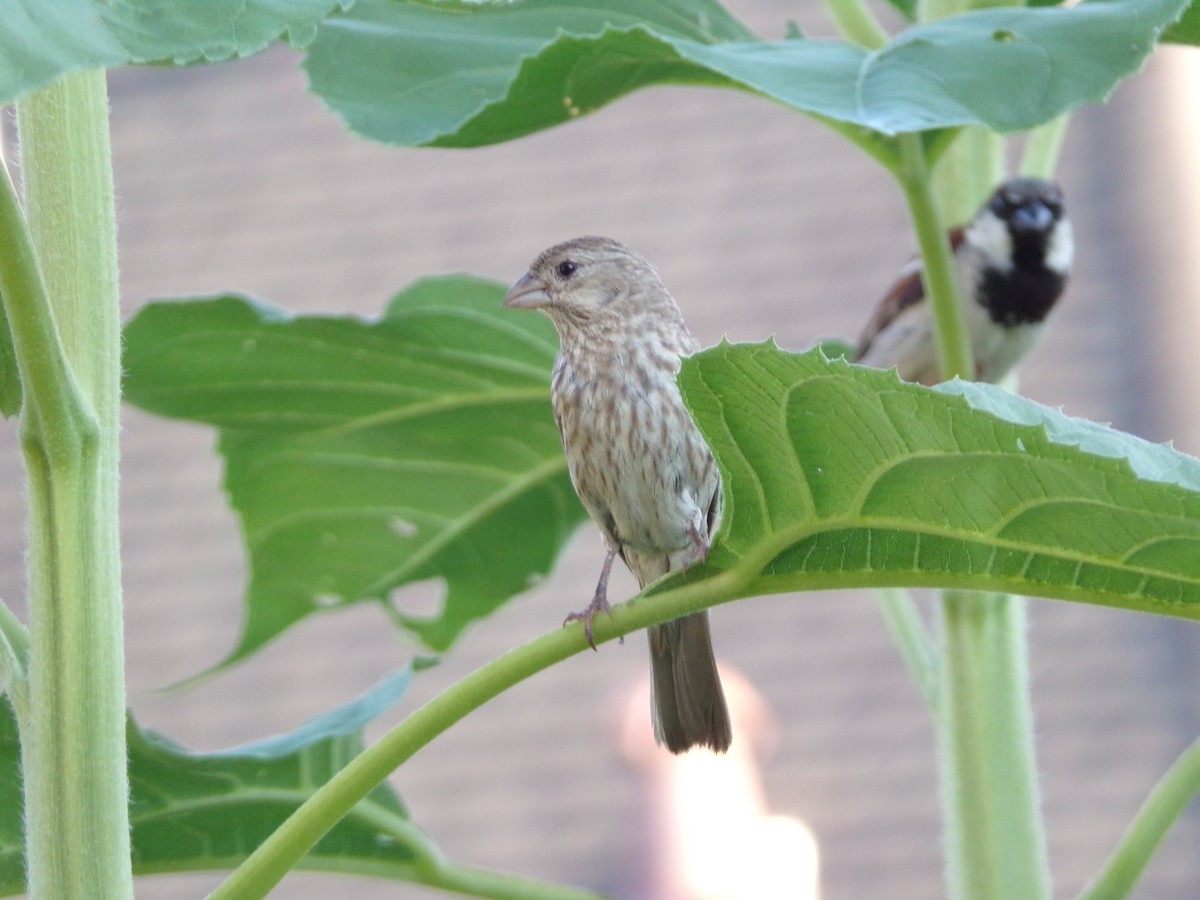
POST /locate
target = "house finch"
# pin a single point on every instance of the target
(638, 462)
(1012, 263)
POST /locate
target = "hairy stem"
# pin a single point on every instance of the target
(994, 837)
(954, 348)
(995, 846)
(65, 323)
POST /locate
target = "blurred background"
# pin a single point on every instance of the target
(761, 223)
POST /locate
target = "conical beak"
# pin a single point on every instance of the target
(1033, 217)
(527, 293)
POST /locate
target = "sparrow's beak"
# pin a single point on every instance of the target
(1033, 217)
(527, 293)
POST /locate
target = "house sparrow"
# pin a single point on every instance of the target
(1012, 264)
(639, 464)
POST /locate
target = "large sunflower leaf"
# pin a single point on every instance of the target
(461, 74)
(40, 41)
(840, 476)
(191, 811)
(363, 456)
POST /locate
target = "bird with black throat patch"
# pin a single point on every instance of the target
(1012, 262)
(638, 462)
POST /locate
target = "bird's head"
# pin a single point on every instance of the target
(1024, 224)
(591, 283)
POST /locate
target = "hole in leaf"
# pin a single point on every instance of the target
(402, 527)
(421, 600)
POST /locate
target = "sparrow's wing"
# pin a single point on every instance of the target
(906, 292)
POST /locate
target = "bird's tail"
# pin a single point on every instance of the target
(687, 702)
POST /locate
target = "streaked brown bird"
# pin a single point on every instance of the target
(1012, 262)
(637, 460)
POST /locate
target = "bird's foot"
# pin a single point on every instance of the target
(599, 604)
(599, 601)
(700, 547)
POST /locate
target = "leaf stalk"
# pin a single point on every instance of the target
(857, 23)
(272, 860)
(917, 646)
(1165, 804)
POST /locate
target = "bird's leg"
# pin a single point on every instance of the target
(599, 601)
(700, 547)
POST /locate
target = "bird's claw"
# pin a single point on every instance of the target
(599, 604)
(700, 547)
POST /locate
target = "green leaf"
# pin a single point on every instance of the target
(12, 804)
(840, 476)
(946, 73)
(906, 8)
(193, 811)
(463, 74)
(41, 42)
(364, 456)
(1187, 29)
(834, 348)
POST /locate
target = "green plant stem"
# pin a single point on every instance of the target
(73, 736)
(912, 637)
(995, 846)
(968, 173)
(954, 349)
(1170, 797)
(1044, 146)
(857, 23)
(272, 860)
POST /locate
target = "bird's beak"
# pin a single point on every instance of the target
(527, 293)
(1033, 217)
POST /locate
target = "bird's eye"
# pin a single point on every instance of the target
(566, 268)
(1005, 204)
